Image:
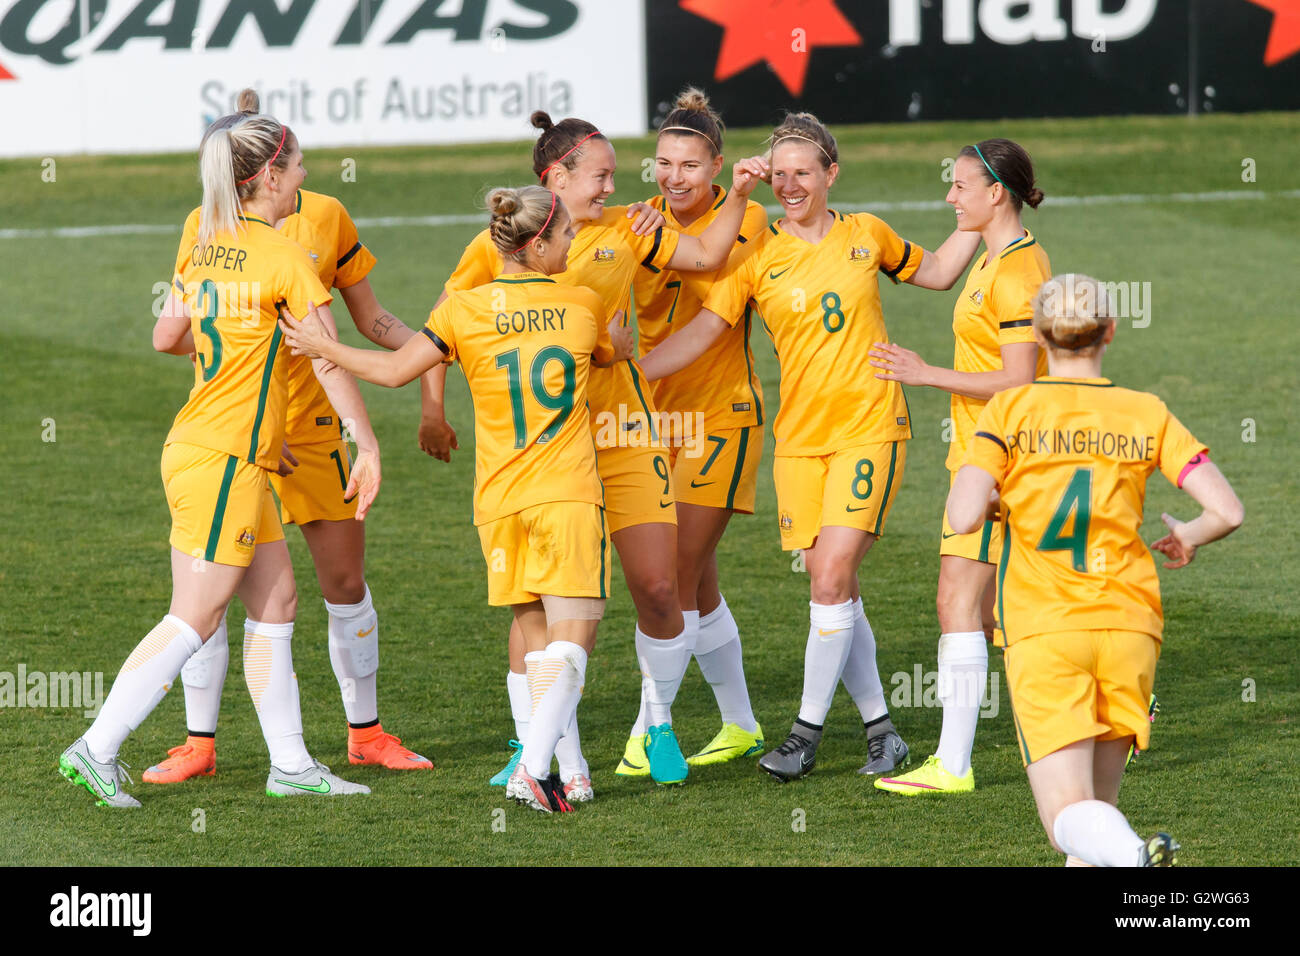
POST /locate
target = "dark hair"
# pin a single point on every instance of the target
(1012, 166)
(691, 111)
(805, 126)
(558, 141)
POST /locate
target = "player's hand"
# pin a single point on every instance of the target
(437, 438)
(898, 364)
(287, 461)
(621, 336)
(1173, 545)
(308, 335)
(645, 218)
(748, 173)
(363, 482)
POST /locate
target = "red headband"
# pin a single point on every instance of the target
(539, 231)
(594, 132)
(283, 130)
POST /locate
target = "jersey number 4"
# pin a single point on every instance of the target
(561, 404)
(1076, 501)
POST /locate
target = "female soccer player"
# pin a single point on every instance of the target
(712, 415)
(312, 497)
(995, 349)
(841, 434)
(574, 159)
(225, 442)
(1078, 600)
(526, 344)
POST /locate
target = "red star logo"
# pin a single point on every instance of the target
(782, 32)
(1284, 38)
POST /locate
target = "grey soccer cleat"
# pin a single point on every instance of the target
(316, 779)
(103, 778)
(1160, 850)
(886, 752)
(794, 758)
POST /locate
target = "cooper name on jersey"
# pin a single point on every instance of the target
(530, 320)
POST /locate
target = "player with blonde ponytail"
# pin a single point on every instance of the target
(527, 345)
(1066, 460)
(233, 285)
(310, 484)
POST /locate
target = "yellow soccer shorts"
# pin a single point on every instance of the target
(560, 548)
(983, 545)
(221, 505)
(721, 471)
(852, 488)
(1072, 685)
(314, 492)
(638, 486)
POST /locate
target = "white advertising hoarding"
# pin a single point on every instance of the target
(138, 76)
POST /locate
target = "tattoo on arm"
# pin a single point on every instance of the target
(383, 324)
(699, 264)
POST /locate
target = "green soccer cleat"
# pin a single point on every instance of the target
(635, 763)
(103, 778)
(316, 780)
(1160, 850)
(667, 765)
(731, 742)
(930, 777)
(502, 777)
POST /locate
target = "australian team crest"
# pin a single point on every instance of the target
(603, 254)
(787, 522)
(859, 254)
(977, 296)
(245, 540)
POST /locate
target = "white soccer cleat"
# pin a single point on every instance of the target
(103, 778)
(316, 780)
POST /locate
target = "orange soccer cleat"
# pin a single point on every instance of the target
(374, 747)
(197, 757)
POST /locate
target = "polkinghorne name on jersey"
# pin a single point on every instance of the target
(1084, 441)
(530, 320)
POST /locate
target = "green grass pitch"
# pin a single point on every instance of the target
(84, 568)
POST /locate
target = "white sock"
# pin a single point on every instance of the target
(204, 674)
(521, 705)
(861, 677)
(718, 652)
(268, 672)
(354, 652)
(640, 726)
(830, 638)
(1097, 833)
(555, 681)
(145, 676)
(568, 749)
(963, 668)
(663, 664)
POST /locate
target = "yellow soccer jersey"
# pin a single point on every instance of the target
(993, 310)
(721, 384)
(526, 344)
(323, 227)
(821, 306)
(605, 256)
(235, 288)
(1072, 458)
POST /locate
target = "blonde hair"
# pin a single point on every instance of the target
(519, 216)
(235, 149)
(1072, 313)
(806, 127)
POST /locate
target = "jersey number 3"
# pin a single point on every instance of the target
(208, 326)
(561, 404)
(1077, 500)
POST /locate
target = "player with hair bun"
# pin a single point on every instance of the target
(714, 413)
(1066, 459)
(841, 436)
(995, 349)
(310, 484)
(527, 344)
(232, 284)
(573, 158)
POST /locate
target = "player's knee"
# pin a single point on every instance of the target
(658, 596)
(346, 587)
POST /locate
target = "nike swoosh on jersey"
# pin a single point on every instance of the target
(700, 484)
(775, 275)
(851, 508)
(947, 536)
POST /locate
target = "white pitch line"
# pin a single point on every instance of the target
(923, 205)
